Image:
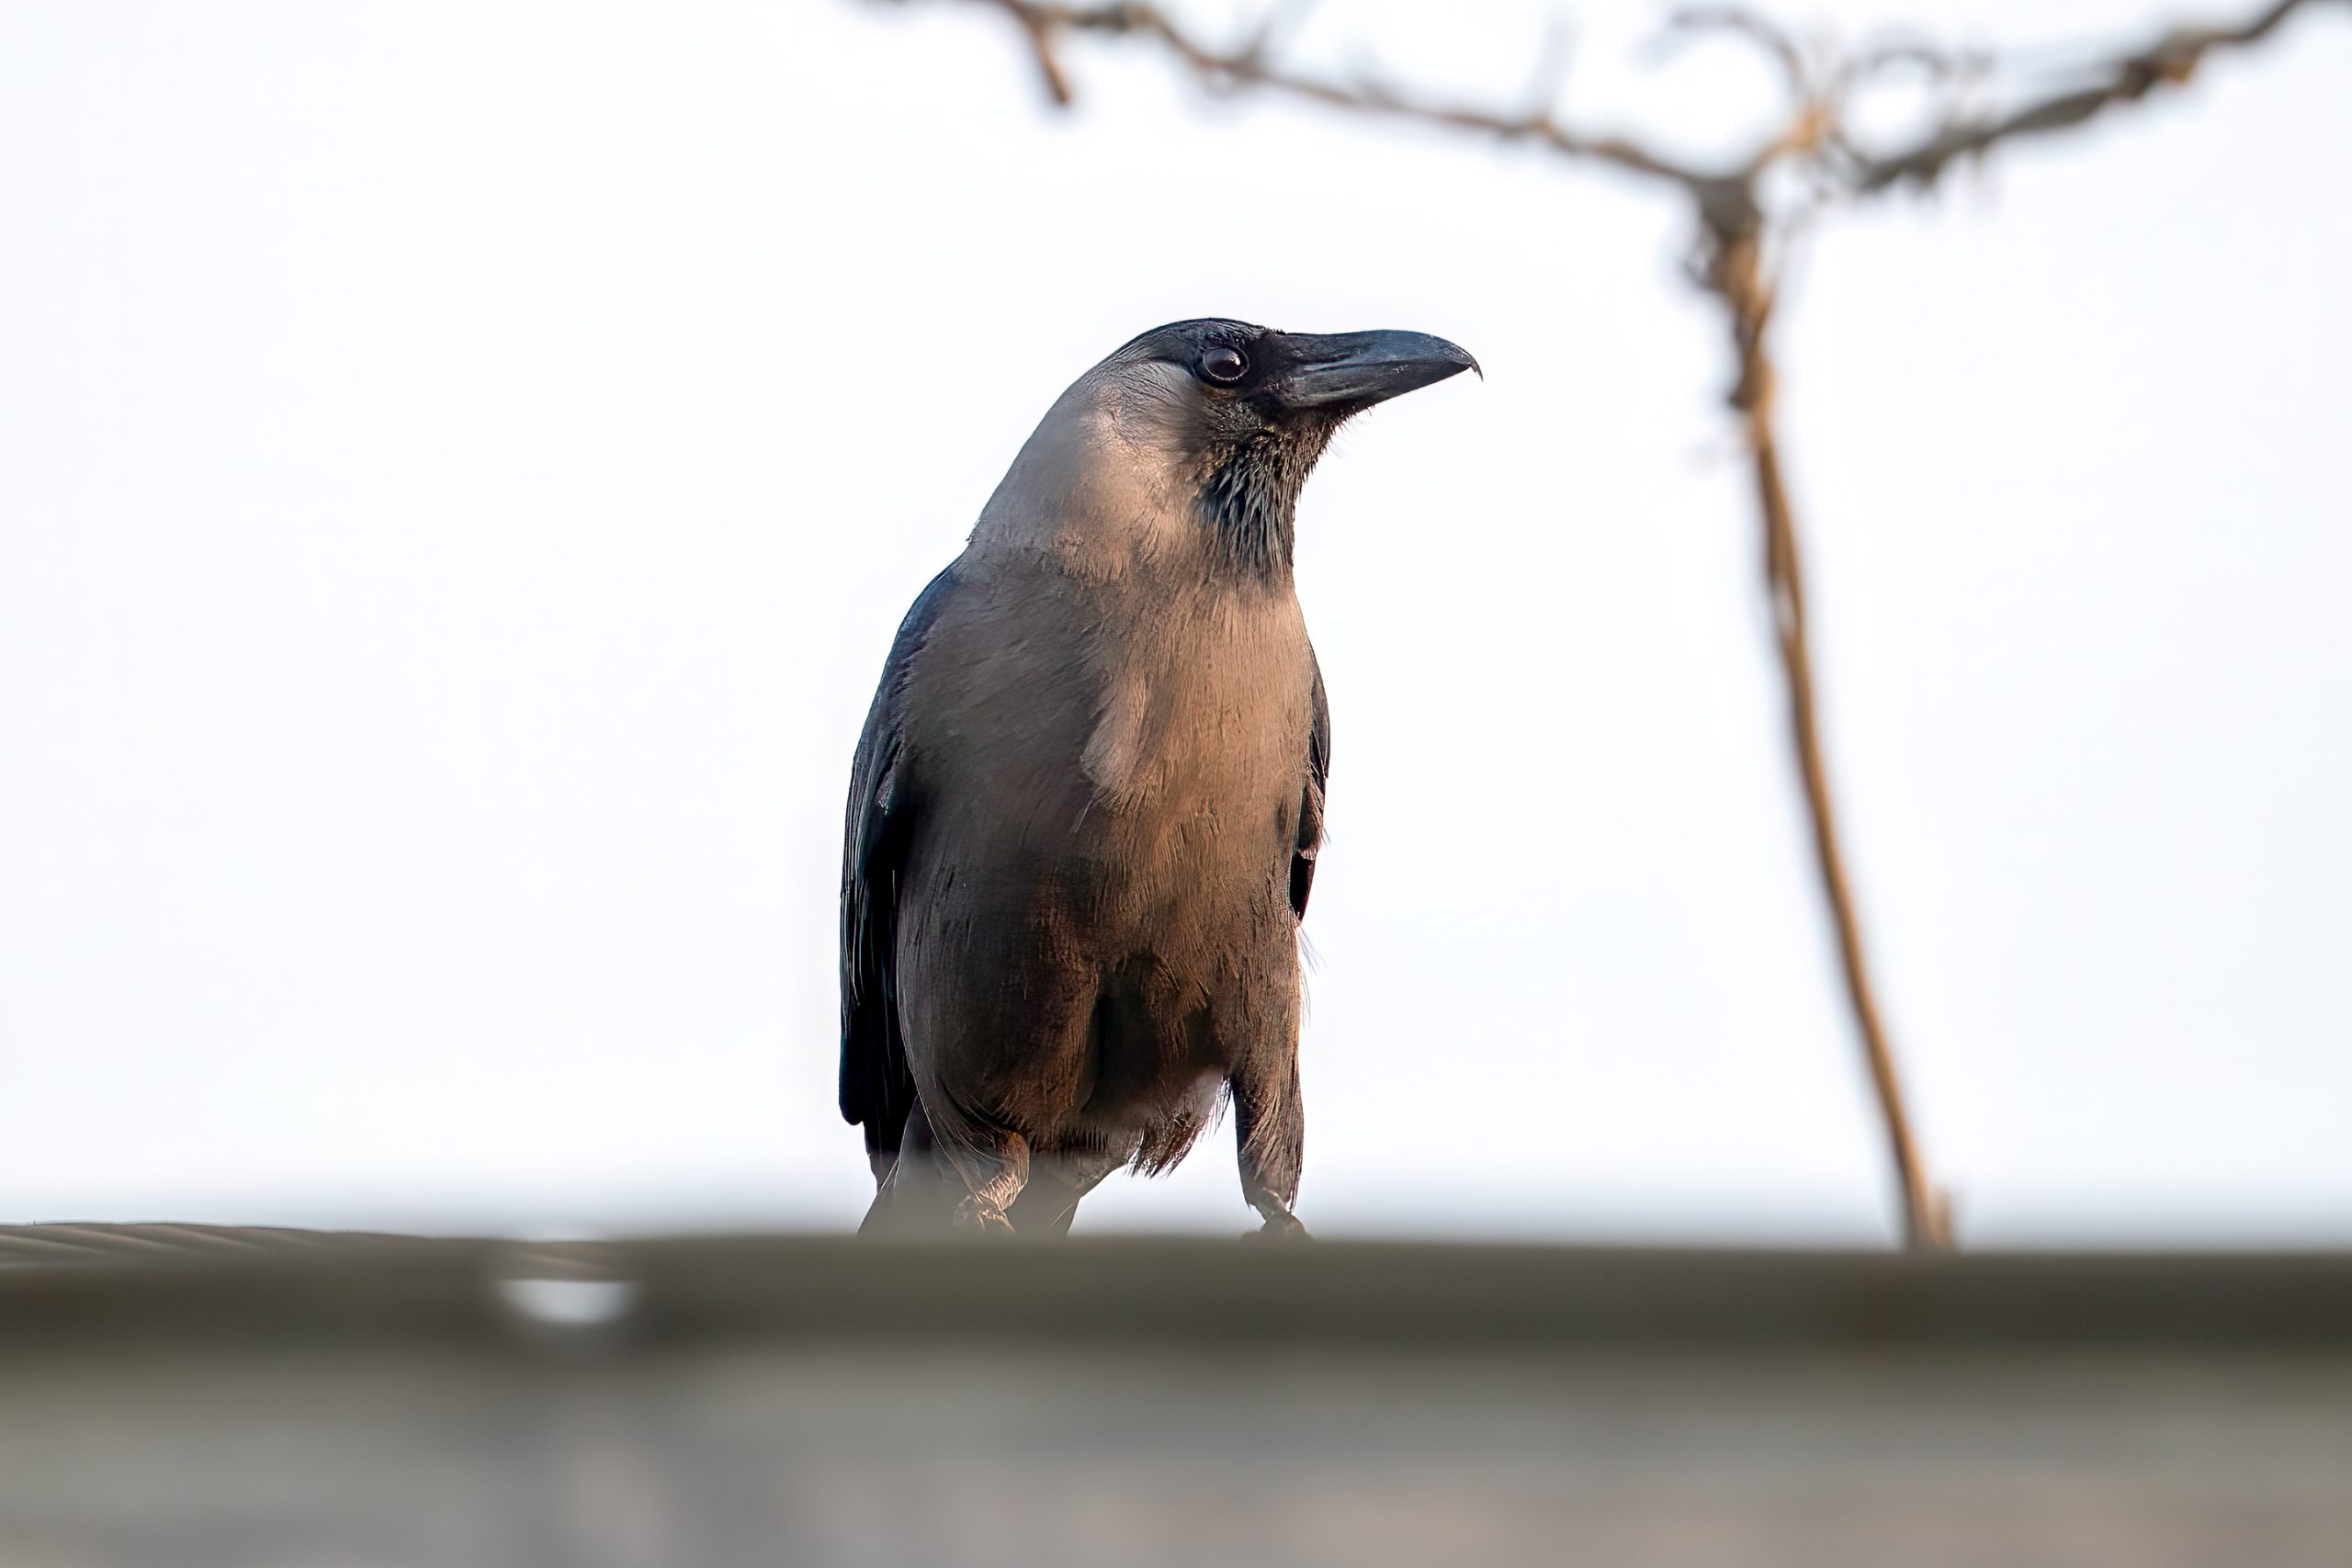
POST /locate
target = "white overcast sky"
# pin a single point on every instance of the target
(461, 466)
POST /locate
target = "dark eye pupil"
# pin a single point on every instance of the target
(1224, 364)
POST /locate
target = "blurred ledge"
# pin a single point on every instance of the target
(126, 1285)
(153, 1243)
(203, 1399)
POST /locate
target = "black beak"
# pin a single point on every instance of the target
(1354, 370)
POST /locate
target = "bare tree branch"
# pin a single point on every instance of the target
(1818, 95)
(1252, 66)
(2169, 61)
(1730, 262)
(1736, 276)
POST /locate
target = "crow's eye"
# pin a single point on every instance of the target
(1223, 366)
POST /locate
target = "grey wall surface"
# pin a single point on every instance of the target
(380, 1404)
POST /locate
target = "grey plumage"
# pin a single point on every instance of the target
(1085, 809)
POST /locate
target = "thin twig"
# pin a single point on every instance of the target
(1252, 64)
(1737, 278)
(2169, 61)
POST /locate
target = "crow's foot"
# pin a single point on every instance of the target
(979, 1216)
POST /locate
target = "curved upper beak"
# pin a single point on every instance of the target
(1359, 369)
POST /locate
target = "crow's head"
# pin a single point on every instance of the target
(1241, 414)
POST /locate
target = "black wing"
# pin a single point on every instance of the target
(1310, 805)
(876, 1088)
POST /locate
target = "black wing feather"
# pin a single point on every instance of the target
(1310, 805)
(876, 1088)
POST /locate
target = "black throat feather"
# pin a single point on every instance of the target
(1250, 498)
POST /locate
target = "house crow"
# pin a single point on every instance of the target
(1084, 812)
